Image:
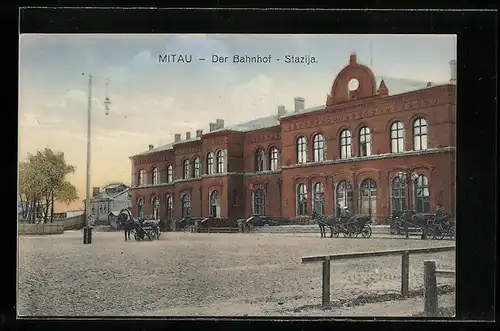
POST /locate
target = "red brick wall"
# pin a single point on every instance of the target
(376, 111)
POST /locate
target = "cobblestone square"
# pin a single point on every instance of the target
(196, 274)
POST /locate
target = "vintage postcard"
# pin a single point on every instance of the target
(236, 175)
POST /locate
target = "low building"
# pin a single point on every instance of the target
(376, 146)
(111, 198)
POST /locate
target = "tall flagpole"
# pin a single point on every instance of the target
(87, 231)
(371, 56)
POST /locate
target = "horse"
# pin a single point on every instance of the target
(127, 221)
(414, 218)
(324, 221)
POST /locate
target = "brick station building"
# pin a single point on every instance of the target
(367, 149)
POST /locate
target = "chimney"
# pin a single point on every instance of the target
(219, 123)
(95, 191)
(199, 133)
(151, 147)
(177, 137)
(453, 74)
(188, 135)
(212, 127)
(429, 84)
(281, 110)
(298, 104)
(352, 58)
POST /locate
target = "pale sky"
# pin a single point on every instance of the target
(152, 101)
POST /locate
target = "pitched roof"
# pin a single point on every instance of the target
(394, 85)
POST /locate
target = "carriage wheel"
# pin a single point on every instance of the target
(430, 233)
(336, 231)
(366, 232)
(451, 232)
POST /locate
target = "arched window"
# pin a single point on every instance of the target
(318, 148)
(343, 194)
(142, 177)
(186, 205)
(301, 199)
(259, 160)
(420, 134)
(397, 137)
(365, 142)
(186, 169)
(345, 144)
(214, 204)
(170, 174)
(301, 150)
(368, 197)
(155, 176)
(398, 195)
(140, 208)
(197, 167)
(170, 207)
(421, 194)
(210, 163)
(274, 156)
(259, 202)
(319, 198)
(155, 207)
(220, 162)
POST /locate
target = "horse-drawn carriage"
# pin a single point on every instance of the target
(348, 226)
(142, 229)
(429, 225)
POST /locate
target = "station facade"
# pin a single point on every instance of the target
(365, 149)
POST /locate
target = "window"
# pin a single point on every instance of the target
(186, 205)
(398, 195)
(365, 142)
(397, 140)
(420, 137)
(140, 208)
(214, 204)
(343, 195)
(318, 148)
(319, 198)
(155, 176)
(210, 163)
(220, 162)
(259, 160)
(345, 144)
(301, 199)
(186, 169)
(301, 150)
(274, 157)
(197, 167)
(258, 202)
(142, 177)
(170, 174)
(155, 207)
(170, 207)
(368, 197)
(421, 194)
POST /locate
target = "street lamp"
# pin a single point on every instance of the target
(87, 230)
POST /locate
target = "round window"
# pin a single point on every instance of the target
(353, 84)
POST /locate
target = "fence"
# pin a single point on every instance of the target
(39, 229)
(430, 287)
(405, 265)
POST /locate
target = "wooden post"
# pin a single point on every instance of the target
(326, 283)
(430, 289)
(405, 273)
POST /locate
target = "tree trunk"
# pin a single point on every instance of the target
(22, 207)
(52, 208)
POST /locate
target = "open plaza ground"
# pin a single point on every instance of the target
(199, 274)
